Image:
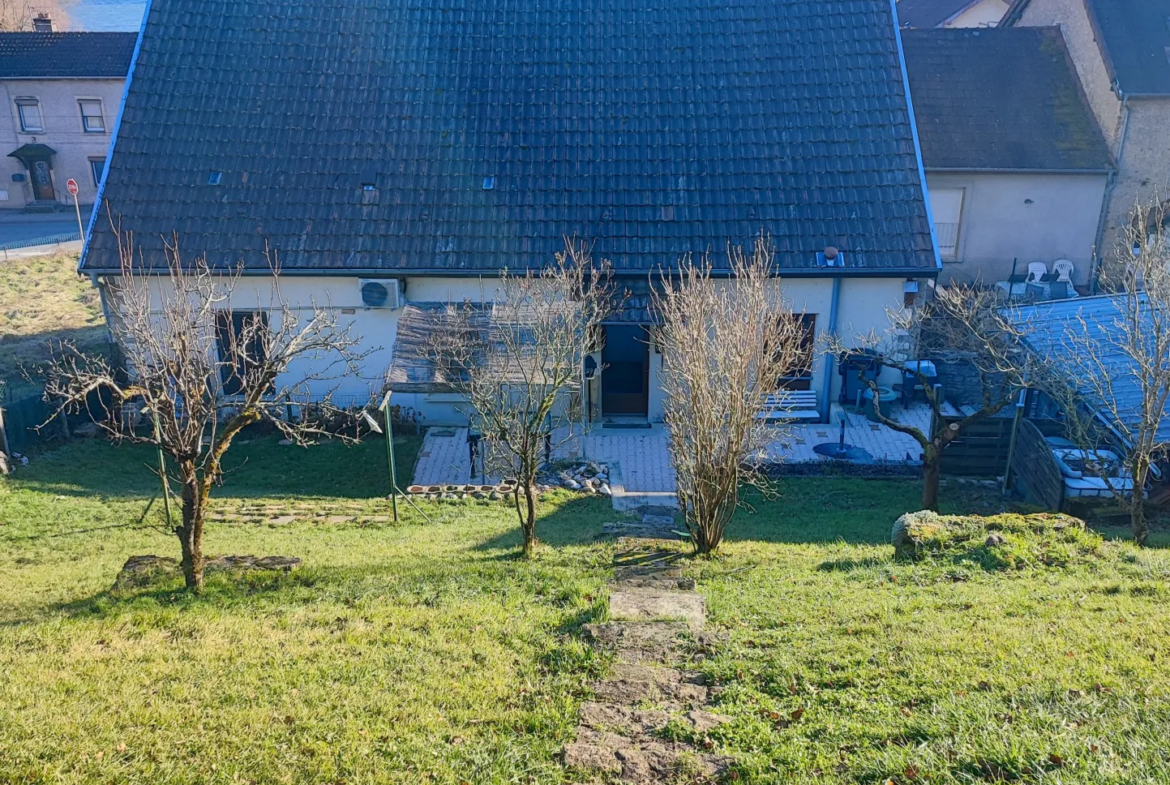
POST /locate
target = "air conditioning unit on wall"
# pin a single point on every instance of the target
(381, 292)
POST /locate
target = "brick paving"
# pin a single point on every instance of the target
(640, 459)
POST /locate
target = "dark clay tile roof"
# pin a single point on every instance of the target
(925, 14)
(654, 128)
(66, 55)
(1005, 98)
(1134, 39)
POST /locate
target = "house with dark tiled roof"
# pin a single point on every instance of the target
(950, 14)
(63, 92)
(395, 155)
(1121, 50)
(1016, 164)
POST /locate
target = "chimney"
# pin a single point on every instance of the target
(42, 23)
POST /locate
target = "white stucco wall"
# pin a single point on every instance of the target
(63, 132)
(1027, 217)
(985, 14)
(863, 306)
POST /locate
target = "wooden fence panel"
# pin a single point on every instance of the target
(982, 451)
(1035, 468)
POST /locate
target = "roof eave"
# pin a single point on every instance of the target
(1002, 170)
(802, 272)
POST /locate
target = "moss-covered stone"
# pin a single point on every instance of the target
(999, 542)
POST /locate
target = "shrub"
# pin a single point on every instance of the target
(1000, 542)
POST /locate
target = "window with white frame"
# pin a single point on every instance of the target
(29, 110)
(92, 121)
(946, 205)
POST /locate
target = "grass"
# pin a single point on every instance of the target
(42, 299)
(426, 652)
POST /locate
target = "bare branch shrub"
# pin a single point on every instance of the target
(518, 361)
(725, 345)
(201, 373)
(1114, 384)
(962, 324)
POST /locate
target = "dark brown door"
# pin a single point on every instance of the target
(42, 180)
(625, 371)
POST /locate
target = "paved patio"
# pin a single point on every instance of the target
(639, 461)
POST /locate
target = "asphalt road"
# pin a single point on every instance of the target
(12, 232)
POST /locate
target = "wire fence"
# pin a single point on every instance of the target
(53, 239)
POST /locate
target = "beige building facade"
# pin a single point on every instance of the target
(1120, 53)
(62, 93)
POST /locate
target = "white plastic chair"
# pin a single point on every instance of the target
(1036, 271)
(1064, 270)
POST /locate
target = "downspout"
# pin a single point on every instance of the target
(827, 381)
(1110, 187)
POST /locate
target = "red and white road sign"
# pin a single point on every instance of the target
(72, 186)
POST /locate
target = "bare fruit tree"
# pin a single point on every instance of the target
(518, 357)
(961, 325)
(726, 343)
(198, 371)
(1114, 384)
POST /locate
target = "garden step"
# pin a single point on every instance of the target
(638, 641)
(639, 530)
(634, 683)
(639, 763)
(657, 605)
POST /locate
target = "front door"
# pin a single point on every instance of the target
(625, 371)
(42, 180)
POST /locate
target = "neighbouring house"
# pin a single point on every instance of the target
(1016, 166)
(950, 14)
(397, 156)
(1120, 49)
(63, 92)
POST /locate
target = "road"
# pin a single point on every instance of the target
(28, 229)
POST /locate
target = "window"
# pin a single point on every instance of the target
(97, 166)
(800, 377)
(946, 205)
(239, 342)
(30, 114)
(92, 121)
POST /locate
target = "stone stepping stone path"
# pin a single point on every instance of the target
(656, 634)
(270, 515)
(656, 524)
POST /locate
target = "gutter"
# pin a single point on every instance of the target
(97, 202)
(992, 170)
(835, 273)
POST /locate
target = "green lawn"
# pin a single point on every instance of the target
(426, 652)
(43, 300)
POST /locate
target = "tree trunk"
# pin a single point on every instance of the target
(529, 524)
(931, 461)
(1137, 519)
(190, 535)
(1137, 507)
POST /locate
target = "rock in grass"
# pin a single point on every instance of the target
(997, 542)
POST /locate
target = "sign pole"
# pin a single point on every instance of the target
(73, 189)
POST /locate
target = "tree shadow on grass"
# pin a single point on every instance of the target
(564, 520)
(256, 466)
